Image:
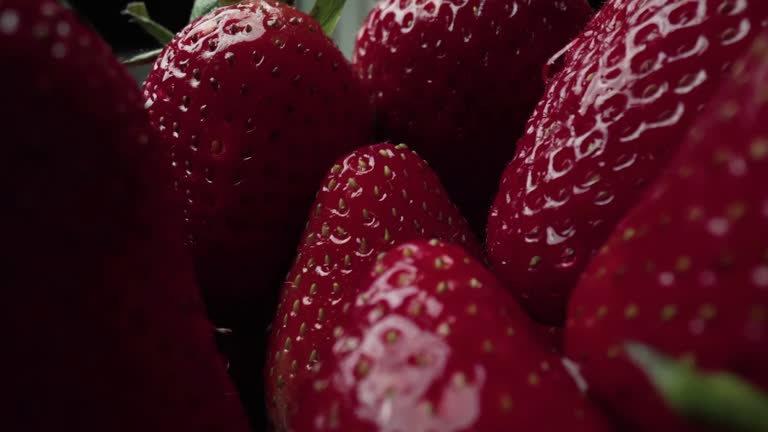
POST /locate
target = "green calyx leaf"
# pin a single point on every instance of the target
(204, 7)
(138, 13)
(718, 399)
(143, 58)
(327, 14)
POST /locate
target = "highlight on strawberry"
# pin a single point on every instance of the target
(621, 97)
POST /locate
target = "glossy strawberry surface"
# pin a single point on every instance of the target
(687, 270)
(101, 321)
(618, 105)
(371, 200)
(434, 343)
(253, 103)
(457, 81)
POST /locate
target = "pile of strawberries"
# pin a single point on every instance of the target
(615, 163)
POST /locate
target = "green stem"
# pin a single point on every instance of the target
(327, 13)
(139, 14)
(720, 399)
(143, 58)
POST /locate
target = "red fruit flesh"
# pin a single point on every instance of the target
(458, 80)
(253, 103)
(102, 325)
(687, 270)
(371, 200)
(434, 343)
(628, 91)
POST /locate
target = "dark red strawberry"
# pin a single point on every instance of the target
(687, 271)
(628, 91)
(253, 103)
(458, 79)
(102, 325)
(371, 200)
(434, 343)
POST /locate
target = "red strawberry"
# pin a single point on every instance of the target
(102, 325)
(434, 343)
(458, 79)
(371, 200)
(629, 89)
(253, 103)
(687, 270)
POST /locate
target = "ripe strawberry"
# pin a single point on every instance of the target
(687, 270)
(629, 89)
(434, 343)
(102, 325)
(458, 80)
(253, 103)
(371, 200)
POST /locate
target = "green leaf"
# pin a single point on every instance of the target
(327, 13)
(202, 7)
(143, 58)
(138, 13)
(719, 399)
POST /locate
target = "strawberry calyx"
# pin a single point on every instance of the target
(714, 398)
(139, 14)
(326, 12)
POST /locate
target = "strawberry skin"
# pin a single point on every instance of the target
(434, 343)
(253, 103)
(687, 270)
(371, 200)
(458, 80)
(102, 325)
(629, 88)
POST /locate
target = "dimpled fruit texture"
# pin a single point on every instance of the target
(628, 90)
(687, 270)
(371, 200)
(457, 80)
(253, 103)
(101, 323)
(434, 343)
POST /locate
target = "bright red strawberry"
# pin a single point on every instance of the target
(687, 270)
(371, 200)
(253, 103)
(434, 343)
(628, 91)
(458, 79)
(102, 325)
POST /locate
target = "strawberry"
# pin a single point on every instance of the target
(629, 88)
(458, 79)
(102, 325)
(253, 103)
(371, 200)
(434, 343)
(686, 271)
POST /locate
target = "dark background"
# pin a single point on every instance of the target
(124, 36)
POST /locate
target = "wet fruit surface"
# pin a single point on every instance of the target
(687, 270)
(457, 80)
(371, 200)
(434, 343)
(619, 106)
